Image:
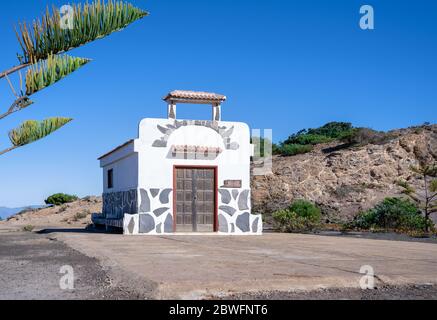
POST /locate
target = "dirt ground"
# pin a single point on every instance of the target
(193, 267)
(30, 266)
(273, 266)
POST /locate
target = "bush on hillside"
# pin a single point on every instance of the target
(60, 198)
(293, 149)
(326, 133)
(302, 215)
(395, 214)
(363, 136)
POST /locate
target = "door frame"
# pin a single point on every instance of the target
(215, 168)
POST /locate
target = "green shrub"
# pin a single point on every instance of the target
(300, 216)
(60, 198)
(326, 133)
(363, 136)
(28, 228)
(306, 209)
(311, 139)
(392, 214)
(80, 215)
(294, 149)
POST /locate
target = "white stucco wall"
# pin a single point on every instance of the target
(124, 163)
(145, 167)
(156, 166)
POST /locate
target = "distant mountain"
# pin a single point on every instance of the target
(7, 212)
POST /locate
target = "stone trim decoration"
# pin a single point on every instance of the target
(223, 131)
(116, 204)
(155, 213)
(234, 213)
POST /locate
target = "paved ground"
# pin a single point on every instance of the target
(274, 266)
(225, 266)
(30, 269)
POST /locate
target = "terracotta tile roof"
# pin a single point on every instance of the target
(194, 97)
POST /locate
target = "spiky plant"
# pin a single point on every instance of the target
(47, 72)
(43, 41)
(91, 21)
(32, 130)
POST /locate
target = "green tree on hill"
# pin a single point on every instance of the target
(425, 199)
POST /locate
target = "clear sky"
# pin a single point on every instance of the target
(284, 65)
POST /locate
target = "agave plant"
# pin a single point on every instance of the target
(47, 72)
(43, 41)
(32, 130)
(91, 21)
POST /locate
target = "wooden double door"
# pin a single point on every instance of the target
(195, 199)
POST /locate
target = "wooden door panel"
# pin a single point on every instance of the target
(195, 207)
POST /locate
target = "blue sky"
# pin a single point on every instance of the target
(284, 65)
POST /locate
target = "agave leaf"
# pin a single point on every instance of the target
(50, 71)
(91, 21)
(32, 130)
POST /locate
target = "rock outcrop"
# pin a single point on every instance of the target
(344, 182)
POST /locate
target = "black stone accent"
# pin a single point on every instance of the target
(160, 211)
(158, 228)
(243, 200)
(164, 196)
(235, 194)
(226, 196)
(224, 132)
(131, 225)
(223, 224)
(255, 225)
(243, 222)
(116, 204)
(145, 201)
(229, 210)
(168, 224)
(154, 192)
(147, 223)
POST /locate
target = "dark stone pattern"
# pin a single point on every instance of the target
(255, 225)
(223, 131)
(229, 210)
(152, 203)
(243, 222)
(116, 204)
(158, 212)
(164, 196)
(147, 223)
(145, 201)
(223, 224)
(154, 192)
(226, 196)
(243, 200)
(235, 194)
(168, 224)
(131, 225)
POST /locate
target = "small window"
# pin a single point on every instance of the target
(110, 178)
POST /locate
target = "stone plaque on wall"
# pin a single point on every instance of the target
(236, 184)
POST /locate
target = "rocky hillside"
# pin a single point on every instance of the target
(75, 214)
(342, 182)
(345, 181)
